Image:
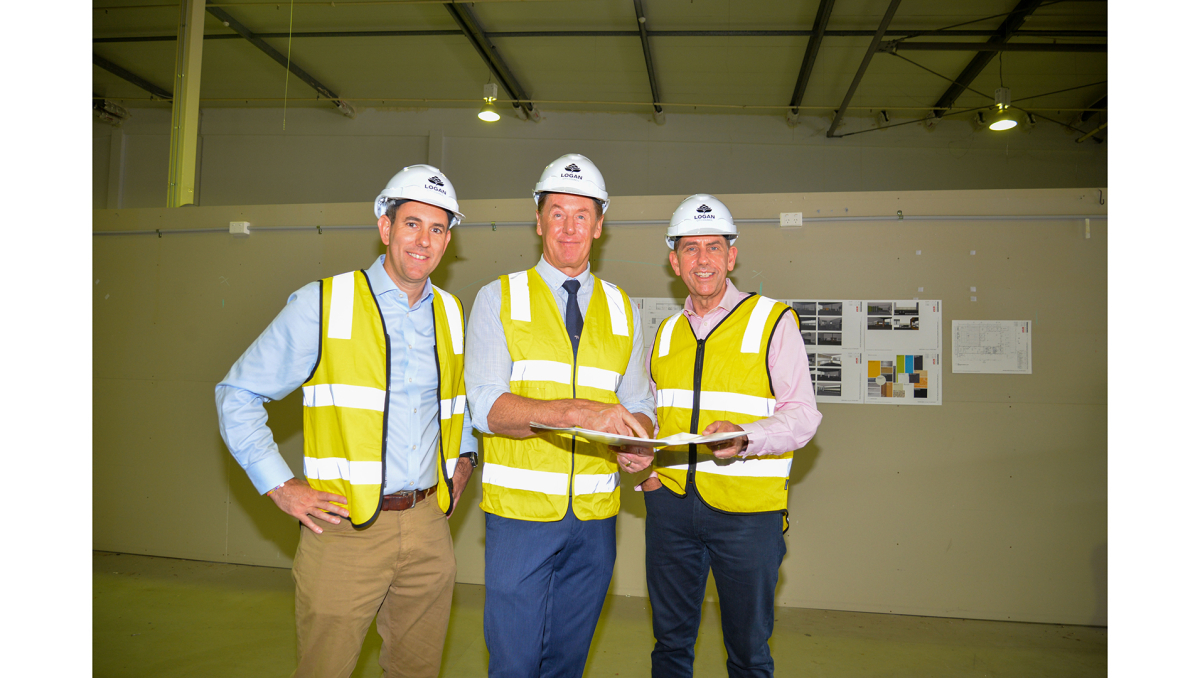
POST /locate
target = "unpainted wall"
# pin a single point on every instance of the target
(992, 505)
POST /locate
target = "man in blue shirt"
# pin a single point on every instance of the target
(388, 444)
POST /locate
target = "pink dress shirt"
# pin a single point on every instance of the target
(796, 417)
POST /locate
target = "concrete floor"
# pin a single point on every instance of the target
(166, 618)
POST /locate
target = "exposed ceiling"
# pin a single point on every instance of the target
(756, 57)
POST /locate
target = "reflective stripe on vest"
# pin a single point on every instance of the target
(345, 399)
(733, 386)
(539, 478)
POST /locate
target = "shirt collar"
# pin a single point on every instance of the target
(728, 300)
(555, 278)
(382, 283)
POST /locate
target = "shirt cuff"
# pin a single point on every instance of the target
(754, 439)
(269, 473)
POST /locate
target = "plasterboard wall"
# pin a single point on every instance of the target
(248, 157)
(990, 506)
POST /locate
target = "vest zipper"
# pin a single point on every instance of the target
(697, 376)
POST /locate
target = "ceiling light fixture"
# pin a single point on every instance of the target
(488, 112)
(1003, 120)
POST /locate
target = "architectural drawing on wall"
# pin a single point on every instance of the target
(654, 311)
(903, 379)
(992, 346)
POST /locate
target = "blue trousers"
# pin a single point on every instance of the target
(546, 584)
(684, 538)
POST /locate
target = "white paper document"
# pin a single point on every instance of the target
(993, 346)
(654, 310)
(614, 439)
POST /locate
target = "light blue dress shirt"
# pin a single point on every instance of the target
(489, 364)
(283, 357)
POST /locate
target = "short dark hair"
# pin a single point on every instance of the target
(394, 204)
(728, 238)
(541, 202)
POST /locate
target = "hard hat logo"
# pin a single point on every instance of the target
(701, 214)
(573, 174)
(423, 183)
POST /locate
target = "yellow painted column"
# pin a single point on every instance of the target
(185, 106)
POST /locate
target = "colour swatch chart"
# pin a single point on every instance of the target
(903, 379)
(903, 352)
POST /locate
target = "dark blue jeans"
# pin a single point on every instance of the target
(546, 584)
(684, 538)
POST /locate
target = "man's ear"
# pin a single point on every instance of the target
(674, 259)
(385, 229)
(732, 257)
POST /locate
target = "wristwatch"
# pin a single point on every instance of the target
(473, 457)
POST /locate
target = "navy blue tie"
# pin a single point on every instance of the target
(574, 319)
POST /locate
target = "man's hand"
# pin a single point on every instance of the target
(725, 449)
(608, 419)
(632, 459)
(299, 500)
(462, 473)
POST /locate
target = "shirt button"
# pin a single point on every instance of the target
(410, 380)
(414, 410)
(410, 345)
(414, 447)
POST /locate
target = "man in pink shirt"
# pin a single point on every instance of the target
(737, 364)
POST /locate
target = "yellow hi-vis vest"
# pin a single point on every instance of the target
(537, 478)
(346, 398)
(722, 377)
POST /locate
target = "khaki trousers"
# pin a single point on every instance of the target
(400, 568)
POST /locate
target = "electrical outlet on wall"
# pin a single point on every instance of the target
(791, 219)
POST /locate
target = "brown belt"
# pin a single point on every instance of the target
(404, 499)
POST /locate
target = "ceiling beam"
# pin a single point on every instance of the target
(640, 11)
(803, 33)
(466, 20)
(116, 70)
(824, 10)
(226, 18)
(905, 45)
(1001, 35)
(1102, 102)
(862, 68)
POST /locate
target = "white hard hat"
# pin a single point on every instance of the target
(701, 214)
(423, 183)
(572, 174)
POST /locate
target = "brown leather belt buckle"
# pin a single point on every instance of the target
(404, 499)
